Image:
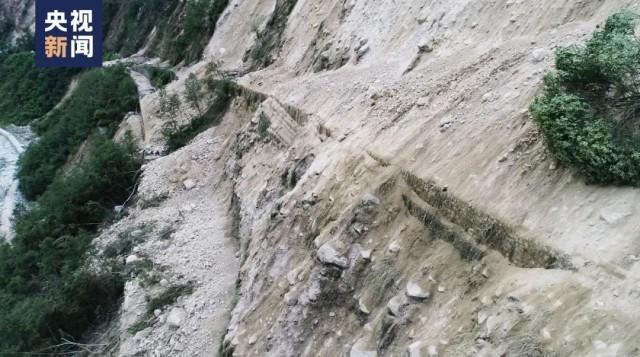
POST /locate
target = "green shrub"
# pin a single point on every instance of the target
(110, 56)
(160, 77)
(169, 297)
(100, 101)
(589, 110)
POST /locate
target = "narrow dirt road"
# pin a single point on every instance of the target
(191, 204)
(143, 83)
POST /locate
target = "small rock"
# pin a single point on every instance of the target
(425, 46)
(615, 214)
(253, 339)
(433, 351)
(327, 254)
(492, 323)
(164, 283)
(423, 101)
(445, 121)
(441, 289)
(415, 349)
(394, 247)
(396, 305)
(176, 317)
(482, 317)
(371, 200)
(539, 54)
(362, 51)
(292, 277)
(360, 349)
(189, 184)
(413, 290)
(362, 307)
(132, 259)
(485, 272)
(366, 254)
(599, 345)
(291, 298)
(157, 312)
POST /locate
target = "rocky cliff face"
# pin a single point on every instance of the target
(377, 188)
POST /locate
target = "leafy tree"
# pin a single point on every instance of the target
(160, 77)
(169, 109)
(194, 92)
(589, 110)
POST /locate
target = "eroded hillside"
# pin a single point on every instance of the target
(391, 194)
(374, 186)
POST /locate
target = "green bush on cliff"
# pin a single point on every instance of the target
(160, 77)
(589, 110)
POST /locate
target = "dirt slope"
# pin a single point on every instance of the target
(400, 199)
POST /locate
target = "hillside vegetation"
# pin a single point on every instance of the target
(182, 28)
(37, 90)
(99, 103)
(48, 293)
(589, 111)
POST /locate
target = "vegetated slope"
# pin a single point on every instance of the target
(50, 294)
(37, 90)
(174, 30)
(98, 104)
(26, 92)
